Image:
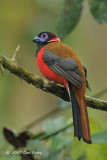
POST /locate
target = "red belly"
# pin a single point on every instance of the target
(45, 70)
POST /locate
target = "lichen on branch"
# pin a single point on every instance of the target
(46, 85)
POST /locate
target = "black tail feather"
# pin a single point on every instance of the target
(76, 114)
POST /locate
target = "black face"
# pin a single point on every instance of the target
(45, 37)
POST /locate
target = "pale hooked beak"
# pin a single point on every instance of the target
(37, 39)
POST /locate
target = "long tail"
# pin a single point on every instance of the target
(80, 117)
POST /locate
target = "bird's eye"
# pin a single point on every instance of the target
(44, 36)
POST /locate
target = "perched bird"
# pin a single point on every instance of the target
(59, 63)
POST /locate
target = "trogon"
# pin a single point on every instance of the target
(59, 63)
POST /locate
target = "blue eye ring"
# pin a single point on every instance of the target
(44, 36)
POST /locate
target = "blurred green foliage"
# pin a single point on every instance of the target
(63, 144)
(10, 157)
(50, 125)
(99, 10)
(68, 16)
(100, 137)
(20, 103)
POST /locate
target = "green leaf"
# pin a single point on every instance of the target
(10, 157)
(60, 141)
(52, 125)
(94, 126)
(68, 16)
(104, 150)
(100, 137)
(99, 10)
(37, 146)
(63, 104)
(77, 150)
(62, 155)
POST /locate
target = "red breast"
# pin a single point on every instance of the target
(44, 69)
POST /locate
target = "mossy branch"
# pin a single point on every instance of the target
(46, 85)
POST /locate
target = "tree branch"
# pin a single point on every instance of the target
(46, 85)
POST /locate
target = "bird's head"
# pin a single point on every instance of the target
(46, 37)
